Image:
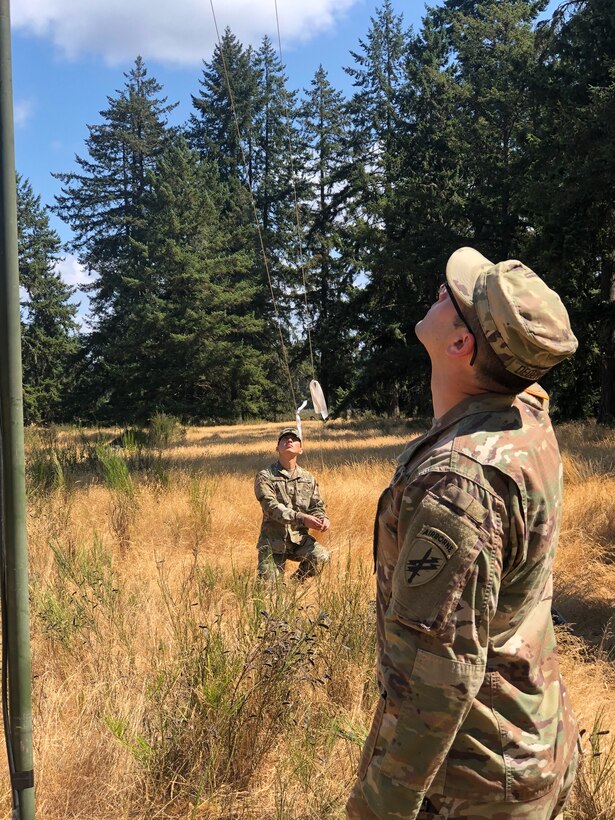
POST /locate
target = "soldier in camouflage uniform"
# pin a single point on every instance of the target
(473, 719)
(292, 504)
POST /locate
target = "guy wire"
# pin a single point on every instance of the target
(256, 218)
(299, 240)
(297, 215)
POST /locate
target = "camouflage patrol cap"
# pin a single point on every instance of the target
(524, 321)
(290, 431)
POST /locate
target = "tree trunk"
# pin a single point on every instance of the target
(394, 411)
(606, 410)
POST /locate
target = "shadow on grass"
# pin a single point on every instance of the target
(589, 442)
(313, 460)
(593, 621)
(330, 432)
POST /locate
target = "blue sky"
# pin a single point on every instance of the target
(69, 55)
(63, 72)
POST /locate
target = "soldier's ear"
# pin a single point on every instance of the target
(462, 343)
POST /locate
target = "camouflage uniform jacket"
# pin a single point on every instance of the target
(472, 702)
(283, 497)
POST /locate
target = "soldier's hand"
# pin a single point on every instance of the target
(325, 524)
(313, 523)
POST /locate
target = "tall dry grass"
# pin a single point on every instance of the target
(169, 684)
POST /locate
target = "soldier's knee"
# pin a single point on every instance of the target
(317, 560)
(320, 554)
(268, 568)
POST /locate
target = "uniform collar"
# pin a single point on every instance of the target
(287, 473)
(535, 396)
(481, 403)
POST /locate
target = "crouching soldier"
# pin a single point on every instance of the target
(292, 505)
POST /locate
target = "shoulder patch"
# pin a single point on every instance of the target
(439, 545)
(428, 555)
(439, 538)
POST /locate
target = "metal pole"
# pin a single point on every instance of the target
(17, 635)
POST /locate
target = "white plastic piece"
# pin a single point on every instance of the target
(298, 418)
(318, 399)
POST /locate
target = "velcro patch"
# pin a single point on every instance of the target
(428, 555)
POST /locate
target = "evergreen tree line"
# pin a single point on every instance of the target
(278, 235)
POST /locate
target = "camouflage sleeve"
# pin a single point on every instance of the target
(444, 592)
(272, 507)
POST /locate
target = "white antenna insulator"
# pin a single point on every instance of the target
(318, 399)
(298, 418)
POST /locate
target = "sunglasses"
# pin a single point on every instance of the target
(444, 288)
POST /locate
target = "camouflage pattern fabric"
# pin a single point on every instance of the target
(284, 498)
(293, 431)
(310, 555)
(524, 321)
(441, 807)
(548, 807)
(472, 703)
(507, 299)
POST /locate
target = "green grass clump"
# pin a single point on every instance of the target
(594, 789)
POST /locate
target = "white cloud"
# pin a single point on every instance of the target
(73, 272)
(181, 32)
(22, 111)
(75, 275)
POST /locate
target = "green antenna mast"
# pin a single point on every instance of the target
(16, 673)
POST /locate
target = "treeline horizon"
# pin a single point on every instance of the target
(327, 220)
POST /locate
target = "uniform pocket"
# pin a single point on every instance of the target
(428, 716)
(273, 537)
(303, 491)
(530, 727)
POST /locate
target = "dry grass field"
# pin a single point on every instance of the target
(169, 684)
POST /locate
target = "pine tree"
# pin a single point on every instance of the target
(325, 134)
(433, 178)
(103, 204)
(275, 143)
(442, 122)
(204, 357)
(492, 44)
(373, 206)
(254, 147)
(465, 119)
(49, 340)
(222, 126)
(571, 194)
(468, 102)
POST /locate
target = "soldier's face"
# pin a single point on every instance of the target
(289, 444)
(435, 328)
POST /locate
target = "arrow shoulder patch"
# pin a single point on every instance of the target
(441, 540)
(427, 555)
